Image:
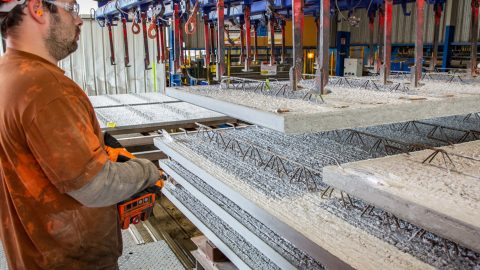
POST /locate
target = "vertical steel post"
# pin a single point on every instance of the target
(438, 9)
(248, 38)
(157, 39)
(282, 58)
(420, 4)
(220, 40)
(474, 36)
(371, 28)
(381, 28)
(271, 23)
(297, 30)
(206, 29)
(176, 36)
(255, 42)
(213, 54)
(180, 41)
(317, 25)
(387, 51)
(163, 43)
(323, 58)
(242, 43)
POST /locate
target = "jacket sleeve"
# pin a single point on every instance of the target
(117, 182)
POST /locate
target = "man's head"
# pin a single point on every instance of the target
(53, 23)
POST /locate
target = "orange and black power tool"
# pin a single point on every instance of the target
(139, 207)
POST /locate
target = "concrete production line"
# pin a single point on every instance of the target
(289, 170)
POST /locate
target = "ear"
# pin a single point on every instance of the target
(36, 11)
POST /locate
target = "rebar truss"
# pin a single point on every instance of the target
(449, 77)
(284, 167)
(438, 132)
(473, 116)
(380, 146)
(368, 84)
(266, 87)
(269, 87)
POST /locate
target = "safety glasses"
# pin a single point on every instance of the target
(73, 9)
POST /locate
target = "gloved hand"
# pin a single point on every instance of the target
(118, 154)
(157, 188)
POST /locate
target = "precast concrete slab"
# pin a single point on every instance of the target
(342, 108)
(162, 115)
(441, 196)
(103, 101)
(328, 228)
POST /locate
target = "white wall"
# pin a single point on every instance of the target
(86, 5)
(90, 65)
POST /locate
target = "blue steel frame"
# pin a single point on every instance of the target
(112, 10)
(234, 8)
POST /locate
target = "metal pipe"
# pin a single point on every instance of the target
(438, 8)
(206, 30)
(297, 30)
(324, 41)
(419, 41)
(248, 37)
(176, 36)
(220, 40)
(271, 23)
(381, 28)
(387, 52)
(474, 37)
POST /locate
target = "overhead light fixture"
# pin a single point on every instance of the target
(354, 21)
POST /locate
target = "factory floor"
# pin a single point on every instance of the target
(166, 246)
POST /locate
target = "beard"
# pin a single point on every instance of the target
(61, 40)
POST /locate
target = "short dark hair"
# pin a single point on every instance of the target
(15, 17)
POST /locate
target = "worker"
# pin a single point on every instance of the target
(58, 189)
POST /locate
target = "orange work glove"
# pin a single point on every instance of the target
(118, 154)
